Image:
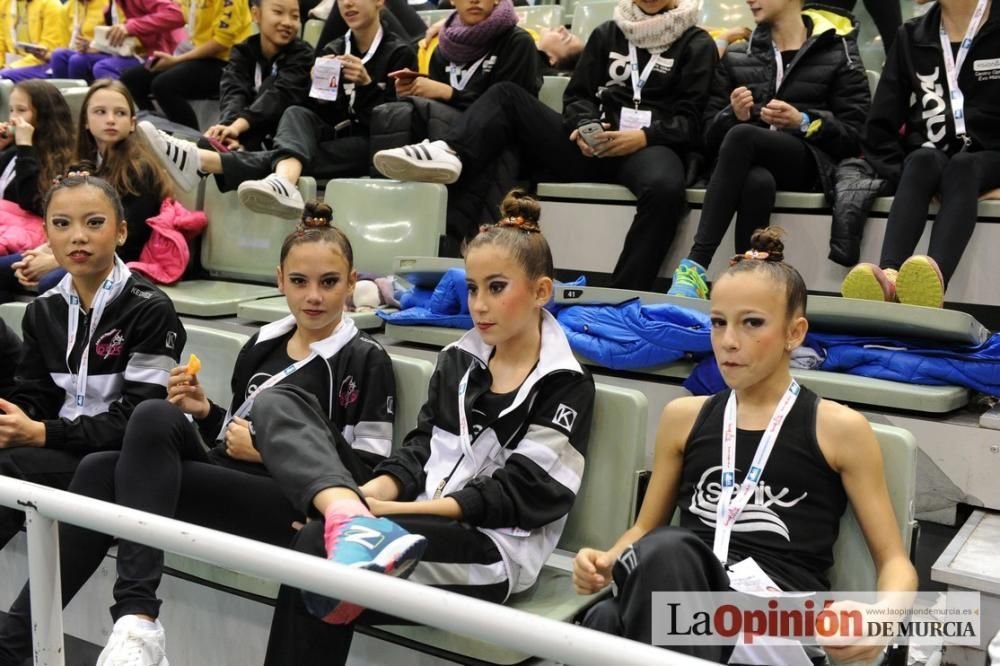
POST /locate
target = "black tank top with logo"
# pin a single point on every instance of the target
(790, 524)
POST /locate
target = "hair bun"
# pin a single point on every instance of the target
(765, 245)
(518, 204)
(317, 214)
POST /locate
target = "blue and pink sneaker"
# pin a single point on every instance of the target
(364, 542)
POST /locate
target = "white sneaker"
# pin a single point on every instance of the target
(178, 157)
(272, 196)
(135, 642)
(427, 162)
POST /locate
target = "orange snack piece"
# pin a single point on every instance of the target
(193, 365)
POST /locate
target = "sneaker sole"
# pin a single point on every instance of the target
(151, 134)
(265, 204)
(920, 283)
(404, 169)
(864, 285)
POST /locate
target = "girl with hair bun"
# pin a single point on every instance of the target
(824, 454)
(311, 416)
(489, 483)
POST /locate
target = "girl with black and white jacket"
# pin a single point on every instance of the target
(311, 416)
(635, 102)
(95, 347)
(949, 148)
(786, 107)
(493, 467)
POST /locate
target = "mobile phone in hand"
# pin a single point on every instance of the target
(589, 133)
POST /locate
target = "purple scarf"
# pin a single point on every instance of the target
(462, 44)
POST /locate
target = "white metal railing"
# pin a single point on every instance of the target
(474, 618)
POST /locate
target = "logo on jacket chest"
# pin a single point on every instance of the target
(987, 70)
(933, 106)
(349, 392)
(620, 69)
(110, 344)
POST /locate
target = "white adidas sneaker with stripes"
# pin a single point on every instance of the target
(178, 157)
(273, 195)
(427, 162)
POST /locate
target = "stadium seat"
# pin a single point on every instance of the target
(412, 376)
(74, 96)
(237, 244)
(604, 508)
(6, 86)
(67, 83)
(534, 17)
(432, 16)
(695, 196)
(588, 15)
(311, 32)
(217, 350)
(552, 91)
(12, 314)
(384, 219)
(873, 78)
(424, 272)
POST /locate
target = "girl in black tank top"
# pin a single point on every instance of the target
(822, 455)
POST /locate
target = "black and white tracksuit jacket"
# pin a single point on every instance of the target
(518, 478)
(356, 371)
(913, 94)
(137, 342)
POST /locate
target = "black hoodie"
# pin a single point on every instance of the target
(913, 93)
(676, 92)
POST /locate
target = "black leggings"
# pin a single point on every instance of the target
(668, 559)
(507, 115)
(304, 135)
(455, 551)
(887, 14)
(754, 162)
(958, 181)
(194, 79)
(163, 468)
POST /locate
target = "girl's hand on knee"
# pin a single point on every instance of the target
(591, 570)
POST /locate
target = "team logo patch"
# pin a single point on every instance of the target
(348, 391)
(110, 344)
(389, 405)
(565, 417)
(171, 339)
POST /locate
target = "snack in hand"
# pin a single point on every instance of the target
(193, 365)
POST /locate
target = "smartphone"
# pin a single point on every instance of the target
(403, 74)
(589, 133)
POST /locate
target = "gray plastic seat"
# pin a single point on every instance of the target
(74, 96)
(237, 244)
(588, 15)
(433, 336)
(551, 94)
(13, 314)
(217, 350)
(384, 219)
(312, 30)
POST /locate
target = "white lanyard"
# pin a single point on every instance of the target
(730, 507)
(75, 32)
(371, 49)
(779, 72)
(345, 328)
(8, 172)
(953, 66)
(115, 19)
(349, 87)
(258, 78)
(460, 83)
(15, 21)
(463, 432)
(73, 319)
(639, 82)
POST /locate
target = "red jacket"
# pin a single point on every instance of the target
(166, 254)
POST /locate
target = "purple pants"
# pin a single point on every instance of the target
(71, 64)
(18, 74)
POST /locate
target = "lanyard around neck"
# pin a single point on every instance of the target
(97, 306)
(730, 507)
(459, 82)
(639, 81)
(371, 49)
(953, 66)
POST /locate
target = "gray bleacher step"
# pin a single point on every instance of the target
(435, 336)
(424, 272)
(991, 418)
(212, 298)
